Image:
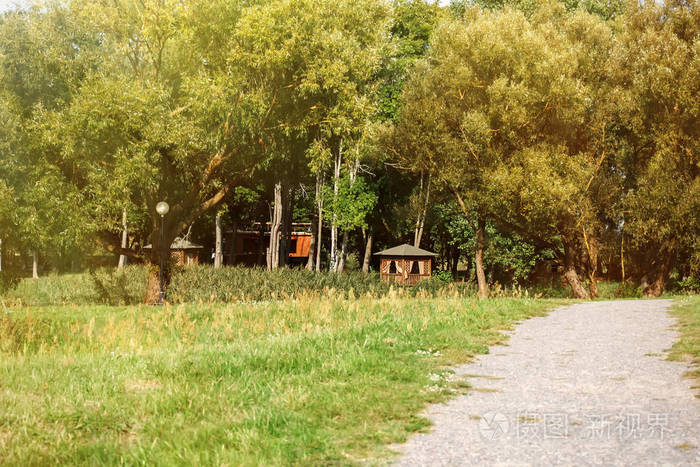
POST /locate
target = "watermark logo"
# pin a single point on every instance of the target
(493, 425)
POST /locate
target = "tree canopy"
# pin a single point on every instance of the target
(504, 135)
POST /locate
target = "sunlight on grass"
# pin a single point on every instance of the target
(687, 311)
(313, 380)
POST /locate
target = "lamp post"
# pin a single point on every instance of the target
(162, 209)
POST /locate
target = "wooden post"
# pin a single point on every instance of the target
(122, 257)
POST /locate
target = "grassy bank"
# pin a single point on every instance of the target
(301, 381)
(204, 284)
(687, 311)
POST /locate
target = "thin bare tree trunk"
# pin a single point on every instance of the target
(273, 250)
(286, 233)
(35, 265)
(622, 256)
(368, 252)
(420, 220)
(122, 258)
(346, 233)
(218, 252)
(343, 252)
(334, 226)
(479, 259)
(319, 206)
(312, 245)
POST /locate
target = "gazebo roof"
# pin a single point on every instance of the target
(405, 250)
(180, 244)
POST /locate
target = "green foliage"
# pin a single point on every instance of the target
(352, 204)
(443, 276)
(412, 28)
(659, 81)
(120, 287)
(315, 381)
(566, 127)
(688, 284)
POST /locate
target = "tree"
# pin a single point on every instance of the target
(162, 118)
(43, 56)
(658, 84)
(505, 112)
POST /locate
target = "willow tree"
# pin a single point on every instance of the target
(43, 57)
(505, 112)
(658, 77)
(162, 118)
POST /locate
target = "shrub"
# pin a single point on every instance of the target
(120, 286)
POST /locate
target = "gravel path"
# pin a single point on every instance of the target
(586, 385)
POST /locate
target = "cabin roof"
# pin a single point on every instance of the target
(405, 250)
(180, 244)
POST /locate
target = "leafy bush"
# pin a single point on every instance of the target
(120, 287)
(8, 280)
(689, 285)
(622, 290)
(444, 276)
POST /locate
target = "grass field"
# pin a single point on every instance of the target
(306, 381)
(687, 311)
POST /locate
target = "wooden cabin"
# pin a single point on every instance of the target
(184, 251)
(405, 264)
(249, 247)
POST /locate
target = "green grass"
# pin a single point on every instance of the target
(687, 311)
(306, 381)
(205, 284)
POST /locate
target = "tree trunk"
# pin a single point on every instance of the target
(420, 220)
(454, 260)
(622, 256)
(368, 252)
(346, 233)
(343, 252)
(312, 245)
(334, 227)
(659, 278)
(164, 232)
(35, 265)
(122, 258)
(0, 255)
(153, 286)
(570, 272)
(273, 249)
(286, 235)
(319, 206)
(479, 259)
(218, 252)
(592, 249)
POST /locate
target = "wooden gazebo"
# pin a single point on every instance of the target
(405, 264)
(184, 251)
